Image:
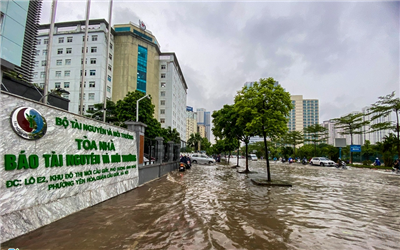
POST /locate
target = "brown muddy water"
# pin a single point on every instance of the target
(214, 207)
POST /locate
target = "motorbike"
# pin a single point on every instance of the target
(182, 167)
(343, 165)
(304, 162)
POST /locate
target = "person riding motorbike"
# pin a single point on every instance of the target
(339, 163)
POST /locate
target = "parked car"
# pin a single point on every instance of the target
(322, 161)
(202, 159)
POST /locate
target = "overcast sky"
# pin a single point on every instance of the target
(344, 54)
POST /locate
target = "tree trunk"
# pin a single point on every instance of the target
(398, 138)
(266, 158)
(351, 153)
(237, 157)
(247, 158)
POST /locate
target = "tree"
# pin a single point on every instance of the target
(126, 111)
(194, 141)
(316, 134)
(351, 125)
(268, 105)
(111, 115)
(229, 124)
(383, 108)
(170, 135)
(294, 138)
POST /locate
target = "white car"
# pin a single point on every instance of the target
(322, 161)
(200, 158)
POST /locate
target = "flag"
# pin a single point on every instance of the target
(142, 25)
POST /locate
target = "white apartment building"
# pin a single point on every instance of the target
(67, 58)
(378, 135)
(173, 92)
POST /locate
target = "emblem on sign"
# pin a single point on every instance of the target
(28, 123)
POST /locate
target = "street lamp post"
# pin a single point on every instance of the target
(63, 91)
(137, 106)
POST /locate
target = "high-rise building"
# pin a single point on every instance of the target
(191, 121)
(67, 59)
(201, 129)
(204, 119)
(18, 24)
(304, 113)
(137, 65)
(172, 95)
(140, 65)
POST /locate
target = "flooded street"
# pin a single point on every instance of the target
(214, 207)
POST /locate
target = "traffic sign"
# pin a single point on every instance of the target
(355, 148)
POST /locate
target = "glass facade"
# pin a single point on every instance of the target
(142, 69)
(13, 30)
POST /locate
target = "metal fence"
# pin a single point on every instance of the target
(165, 152)
(150, 151)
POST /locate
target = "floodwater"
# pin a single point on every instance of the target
(214, 207)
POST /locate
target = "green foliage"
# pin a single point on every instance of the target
(367, 162)
(194, 141)
(170, 135)
(263, 110)
(126, 111)
(351, 124)
(383, 108)
(316, 134)
(293, 138)
(111, 115)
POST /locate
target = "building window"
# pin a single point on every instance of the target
(162, 111)
(91, 96)
(86, 49)
(92, 84)
(108, 89)
(67, 61)
(110, 56)
(37, 52)
(38, 41)
(46, 41)
(109, 67)
(35, 74)
(83, 38)
(67, 73)
(58, 73)
(59, 62)
(69, 39)
(162, 75)
(163, 84)
(57, 85)
(111, 45)
(91, 107)
(163, 67)
(59, 51)
(66, 85)
(42, 74)
(92, 60)
(44, 52)
(162, 102)
(92, 72)
(61, 40)
(66, 96)
(84, 95)
(94, 38)
(93, 49)
(36, 63)
(43, 62)
(109, 78)
(162, 120)
(85, 72)
(141, 69)
(162, 93)
(68, 51)
(82, 61)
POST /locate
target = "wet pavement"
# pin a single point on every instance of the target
(214, 207)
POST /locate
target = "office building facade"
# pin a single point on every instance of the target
(172, 95)
(204, 119)
(67, 59)
(136, 63)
